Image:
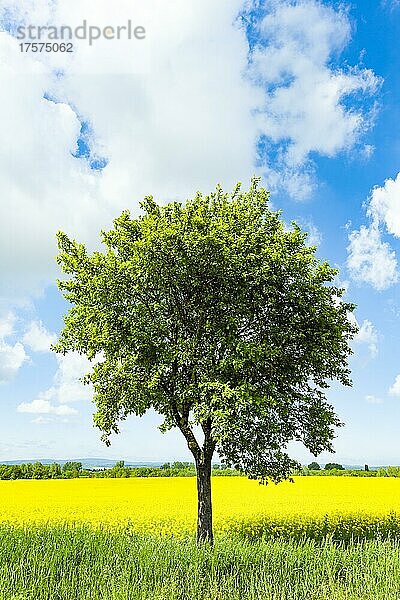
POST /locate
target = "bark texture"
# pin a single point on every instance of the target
(204, 514)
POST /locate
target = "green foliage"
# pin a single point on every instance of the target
(212, 314)
(339, 473)
(118, 470)
(330, 466)
(72, 467)
(54, 471)
(314, 466)
(31, 471)
(388, 472)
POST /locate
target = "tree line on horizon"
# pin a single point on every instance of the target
(74, 470)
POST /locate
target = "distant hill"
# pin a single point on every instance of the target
(87, 463)
(105, 463)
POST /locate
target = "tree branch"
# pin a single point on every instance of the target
(183, 423)
(209, 443)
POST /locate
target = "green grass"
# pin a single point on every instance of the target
(338, 528)
(71, 564)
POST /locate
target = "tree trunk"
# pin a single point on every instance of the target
(204, 514)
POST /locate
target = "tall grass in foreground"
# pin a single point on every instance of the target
(62, 563)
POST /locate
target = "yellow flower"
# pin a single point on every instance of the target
(167, 506)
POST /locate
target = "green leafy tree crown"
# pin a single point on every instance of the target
(330, 466)
(215, 314)
(314, 466)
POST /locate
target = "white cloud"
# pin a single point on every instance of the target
(310, 104)
(173, 114)
(66, 389)
(394, 390)
(391, 4)
(7, 323)
(373, 399)
(367, 334)
(44, 187)
(158, 111)
(384, 205)
(12, 355)
(37, 338)
(314, 237)
(368, 150)
(370, 259)
(42, 406)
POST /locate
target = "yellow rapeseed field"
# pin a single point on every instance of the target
(168, 505)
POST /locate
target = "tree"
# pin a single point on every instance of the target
(331, 466)
(72, 467)
(214, 314)
(54, 471)
(38, 470)
(181, 465)
(314, 466)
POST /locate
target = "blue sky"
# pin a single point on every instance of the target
(226, 90)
